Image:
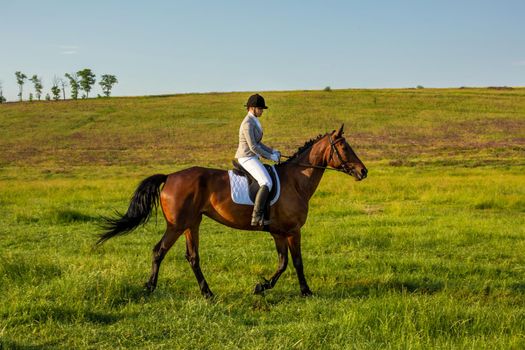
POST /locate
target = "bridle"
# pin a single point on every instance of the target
(346, 168)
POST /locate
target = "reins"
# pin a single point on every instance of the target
(333, 148)
(311, 165)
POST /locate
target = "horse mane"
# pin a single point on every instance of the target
(304, 147)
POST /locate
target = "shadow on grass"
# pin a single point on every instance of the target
(7, 344)
(115, 294)
(58, 216)
(129, 294)
(66, 216)
(518, 287)
(274, 298)
(16, 270)
(240, 301)
(63, 315)
(357, 289)
(369, 288)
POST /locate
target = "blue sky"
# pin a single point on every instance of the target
(161, 47)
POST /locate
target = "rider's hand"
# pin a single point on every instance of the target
(276, 156)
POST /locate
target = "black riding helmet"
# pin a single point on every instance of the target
(256, 101)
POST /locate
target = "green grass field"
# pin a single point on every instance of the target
(427, 252)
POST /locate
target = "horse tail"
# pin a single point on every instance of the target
(145, 198)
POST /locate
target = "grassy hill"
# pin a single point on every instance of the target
(427, 252)
(399, 126)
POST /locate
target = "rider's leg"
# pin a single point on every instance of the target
(258, 171)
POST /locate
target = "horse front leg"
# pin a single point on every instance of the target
(294, 243)
(282, 252)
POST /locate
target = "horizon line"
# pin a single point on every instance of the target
(418, 87)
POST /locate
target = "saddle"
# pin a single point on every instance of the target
(253, 185)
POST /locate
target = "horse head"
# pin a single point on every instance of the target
(343, 157)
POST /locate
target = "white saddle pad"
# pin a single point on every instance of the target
(239, 188)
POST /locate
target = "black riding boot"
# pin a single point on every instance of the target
(259, 205)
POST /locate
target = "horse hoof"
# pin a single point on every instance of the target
(208, 295)
(149, 287)
(259, 289)
(307, 293)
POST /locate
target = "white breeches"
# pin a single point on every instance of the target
(254, 166)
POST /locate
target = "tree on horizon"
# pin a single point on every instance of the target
(87, 79)
(37, 82)
(20, 80)
(74, 84)
(55, 90)
(107, 83)
(2, 98)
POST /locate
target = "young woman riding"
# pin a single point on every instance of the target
(249, 152)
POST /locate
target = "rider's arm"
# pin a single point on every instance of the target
(266, 148)
(256, 147)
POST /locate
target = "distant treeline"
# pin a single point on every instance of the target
(83, 80)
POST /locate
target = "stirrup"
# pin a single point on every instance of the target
(260, 220)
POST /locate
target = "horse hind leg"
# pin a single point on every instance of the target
(192, 255)
(159, 252)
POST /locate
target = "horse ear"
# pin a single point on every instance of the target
(340, 131)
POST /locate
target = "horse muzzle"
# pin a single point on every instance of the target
(359, 174)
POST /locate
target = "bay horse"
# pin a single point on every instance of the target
(189, 194)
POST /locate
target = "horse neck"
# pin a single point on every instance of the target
(306, 179)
